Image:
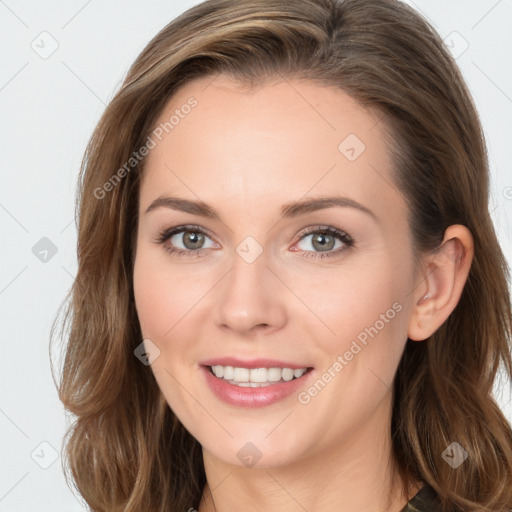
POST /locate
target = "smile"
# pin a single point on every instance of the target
(256, 377)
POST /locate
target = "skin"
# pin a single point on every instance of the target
(246, 153)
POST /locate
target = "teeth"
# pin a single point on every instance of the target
(256, 377)
(229, 372)
(287, 374)
(274, 374)
(240, 374)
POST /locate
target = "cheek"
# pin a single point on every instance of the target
(162, 298)
(163, 294)
(364, 308)
(151, 299)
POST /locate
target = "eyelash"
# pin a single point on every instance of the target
(341, 235)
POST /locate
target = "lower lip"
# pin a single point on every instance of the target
(252, 397)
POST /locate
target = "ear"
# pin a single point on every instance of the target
(440, 286)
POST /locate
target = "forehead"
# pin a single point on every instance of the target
(283, 139)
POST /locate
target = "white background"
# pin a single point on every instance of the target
(49, 108)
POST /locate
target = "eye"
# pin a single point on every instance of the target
(324, 240)
(192, 239)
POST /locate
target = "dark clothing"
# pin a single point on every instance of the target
(425, 500)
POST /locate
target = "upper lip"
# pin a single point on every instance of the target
(252, 363)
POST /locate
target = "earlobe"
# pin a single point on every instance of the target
(442, 282)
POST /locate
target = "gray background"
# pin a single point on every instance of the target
(49, 107)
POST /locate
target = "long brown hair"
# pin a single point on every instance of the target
(126, 450)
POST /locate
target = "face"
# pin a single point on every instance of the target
(326, 288)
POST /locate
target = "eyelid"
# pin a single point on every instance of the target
(167, 233)
(324, 228)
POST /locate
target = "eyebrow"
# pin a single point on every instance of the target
(288, 210)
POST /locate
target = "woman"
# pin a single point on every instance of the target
(290, 294)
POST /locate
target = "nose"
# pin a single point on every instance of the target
(250, 298)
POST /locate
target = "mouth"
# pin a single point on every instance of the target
(256, 377)
(258, 386)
